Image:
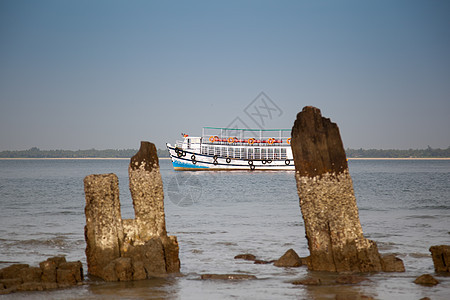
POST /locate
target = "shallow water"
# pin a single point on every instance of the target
(404, 206)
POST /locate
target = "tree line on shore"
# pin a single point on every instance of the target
(128, 153)
(90, 153)
(393, 153)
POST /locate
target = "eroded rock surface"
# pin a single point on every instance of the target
(441, 258)
(426, 279)
(103, 231)
(290, 259)
(130, 249)
(246, 256)
(327, 200)
(53, 273)
(391, 263)
(147, 192)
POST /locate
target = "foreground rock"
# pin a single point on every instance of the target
(426, 279)
(245, 256)
(251, 257)
(53, 273)
(328, 204)
(441, 258)
(391, 263)
(289, 260)
(228, 276)
(130, 249)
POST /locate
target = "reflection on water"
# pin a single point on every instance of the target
(330, 289)
(155, 288)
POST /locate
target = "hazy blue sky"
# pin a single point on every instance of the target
(108, 74)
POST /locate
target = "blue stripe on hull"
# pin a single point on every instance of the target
(178, 164)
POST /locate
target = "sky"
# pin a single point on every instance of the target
(109, 74)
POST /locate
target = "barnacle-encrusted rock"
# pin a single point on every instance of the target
(53, 273)
(327, 200)
(103, 231)
(131, 249)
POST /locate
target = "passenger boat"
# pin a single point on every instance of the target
(233, 149)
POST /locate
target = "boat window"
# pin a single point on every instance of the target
(257, 153)
(276, 154)
(237, 152)
(263, 153)
(250, 153)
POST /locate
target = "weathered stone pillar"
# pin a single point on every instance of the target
(147, 192)
(132, 249)
(103, 230)
(328, 204)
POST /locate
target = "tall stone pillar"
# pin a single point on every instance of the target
(147, 192)
(103, 230)
(327, 201)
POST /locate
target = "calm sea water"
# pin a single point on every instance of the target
(404, 206)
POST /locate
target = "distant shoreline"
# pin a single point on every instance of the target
(36, 153)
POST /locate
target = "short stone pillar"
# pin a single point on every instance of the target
(327, 201)
(103, 230)
(131, 249)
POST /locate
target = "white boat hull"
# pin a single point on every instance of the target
(188, 160)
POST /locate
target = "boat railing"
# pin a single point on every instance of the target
(246, 137)
(245, 152)
(233, 141)
(246, 141)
